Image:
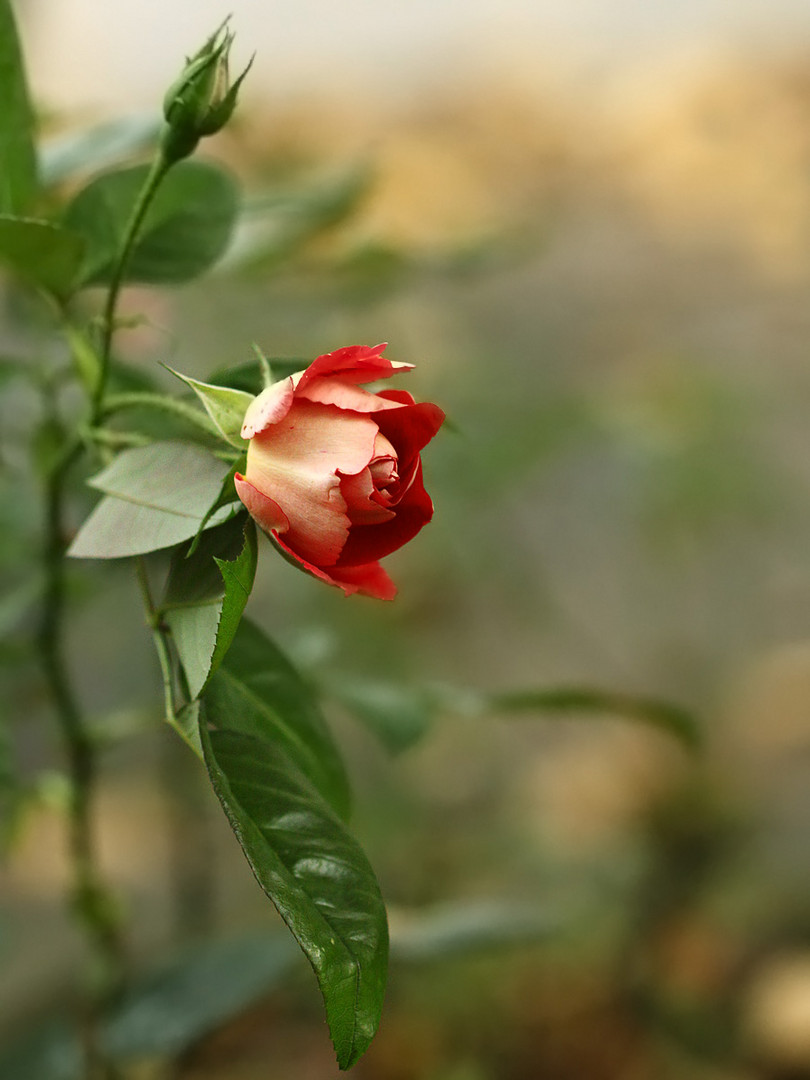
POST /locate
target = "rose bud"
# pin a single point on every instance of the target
(201, 100)
(333, 471)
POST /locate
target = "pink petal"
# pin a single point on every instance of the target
(270, 407)
(363, 504)
(354, 364)
(295, 463)
(370, 579)
(267, 513)
(367, 543)
(334, 390)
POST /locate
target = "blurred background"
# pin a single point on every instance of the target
(588, 226)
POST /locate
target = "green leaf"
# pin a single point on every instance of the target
(206, 595)
(461, 928)
(398, 715)
(186, 229)
(117, 529)
(173, 1009)
(41, 254)
(77, 153)
(178, 477)
(158, 496)
(167, 1012)
(285, 222)
(18, 163)
(314, 872)
(568, 699)
(257, 691)
(225, 406)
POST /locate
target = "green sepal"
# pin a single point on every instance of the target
(225, 406)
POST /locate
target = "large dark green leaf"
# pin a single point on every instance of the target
(314, 872)
(186, 229)
(18, 164)
(257, 691)
(45, 255)
(206, 594)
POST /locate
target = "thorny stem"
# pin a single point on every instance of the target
(92, 903)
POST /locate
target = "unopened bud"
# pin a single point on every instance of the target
(201, 101)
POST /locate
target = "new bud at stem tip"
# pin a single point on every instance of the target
(201, 100)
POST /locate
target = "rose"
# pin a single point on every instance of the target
(333, 471)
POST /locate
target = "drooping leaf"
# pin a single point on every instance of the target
(257, 691)
(18, 162)
(206, 595)
(315, 873)
(42, 254)
(224, 405)
(186, 229)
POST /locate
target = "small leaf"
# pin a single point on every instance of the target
(567, 699)
(225, 406)
(314, 872)
(18, 163)
(44, 255)
(207, 596)
(257, 691)
(186, 229)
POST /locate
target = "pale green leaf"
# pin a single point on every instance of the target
(180, 478)
(117, 529)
